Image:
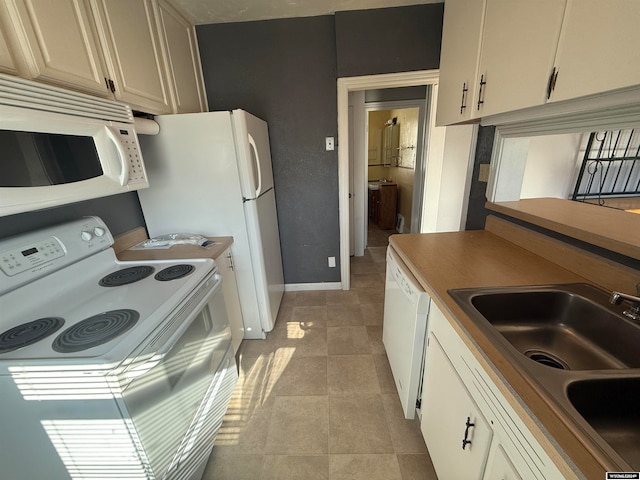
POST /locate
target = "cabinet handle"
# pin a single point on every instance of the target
(110, 85)
(480, 97)
(463, 102)
(552, 82)
(466, 442)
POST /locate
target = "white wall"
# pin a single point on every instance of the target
(552, 165)
(446, 188)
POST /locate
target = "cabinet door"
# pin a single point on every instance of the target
(519, 43)
(598, 49)
(499, 467)
(7, 64)
(461, 34)
(231, 297)
(451, 417)
(58, 42)
(128, 31)
(183, 60)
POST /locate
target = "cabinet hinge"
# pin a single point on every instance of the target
(418, 403)
(112, 86)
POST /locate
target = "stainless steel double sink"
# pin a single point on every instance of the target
(578, 348)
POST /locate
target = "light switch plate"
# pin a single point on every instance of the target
(483, 173)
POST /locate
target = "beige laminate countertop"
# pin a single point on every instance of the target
(442, 261)
(179, 251)
(615, 230)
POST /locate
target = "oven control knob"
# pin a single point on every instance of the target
(86, 236)
(98, 231)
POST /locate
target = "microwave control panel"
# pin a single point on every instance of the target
(129, 142)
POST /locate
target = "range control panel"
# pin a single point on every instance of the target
(18, 260)
(29, 256)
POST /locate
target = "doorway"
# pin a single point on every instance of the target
(356, 179)
(393, 162)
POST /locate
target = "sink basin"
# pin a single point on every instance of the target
(610, 406)
(568, 327)
(578, 350)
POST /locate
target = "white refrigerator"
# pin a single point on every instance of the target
(210, 173)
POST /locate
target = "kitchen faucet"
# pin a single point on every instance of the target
(634, 312)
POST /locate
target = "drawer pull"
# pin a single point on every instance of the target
(466, 442)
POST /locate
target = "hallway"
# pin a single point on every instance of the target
(316, 399)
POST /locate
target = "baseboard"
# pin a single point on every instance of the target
(299, 287)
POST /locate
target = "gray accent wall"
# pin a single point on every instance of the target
(389, 40)
(396, 94)
(121, 213)
(285, 72)
(476, 211)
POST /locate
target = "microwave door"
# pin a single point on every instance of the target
(42, 165)
(44, 159)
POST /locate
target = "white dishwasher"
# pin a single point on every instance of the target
(406, 307)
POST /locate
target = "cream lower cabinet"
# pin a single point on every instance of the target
(231, 298)
(455, 431)
(456, 391)
(499, 466)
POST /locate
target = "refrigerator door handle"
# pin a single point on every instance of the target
(252, 142)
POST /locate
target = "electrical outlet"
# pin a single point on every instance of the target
(332, 261)
(329, 145)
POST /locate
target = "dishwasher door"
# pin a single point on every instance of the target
(406, 306)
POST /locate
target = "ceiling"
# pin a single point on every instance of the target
(226, 11)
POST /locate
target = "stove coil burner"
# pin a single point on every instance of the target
(95, 330)
(174, 272)
(29, 333)
(126, 276)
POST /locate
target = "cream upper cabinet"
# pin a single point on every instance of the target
(183, 60)
(598, 49)
(496, 56)
(461, 37)
(129, 34)
(56, 41)
(519, 43)
(7, 63)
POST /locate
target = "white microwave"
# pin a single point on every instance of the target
(59, 147)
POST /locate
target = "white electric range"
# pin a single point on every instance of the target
(108, 368)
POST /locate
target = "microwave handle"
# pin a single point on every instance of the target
(124, 170)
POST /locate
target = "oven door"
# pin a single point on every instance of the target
(171, 389)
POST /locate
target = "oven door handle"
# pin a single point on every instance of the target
(186, 323)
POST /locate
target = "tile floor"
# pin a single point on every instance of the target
(316, 399)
